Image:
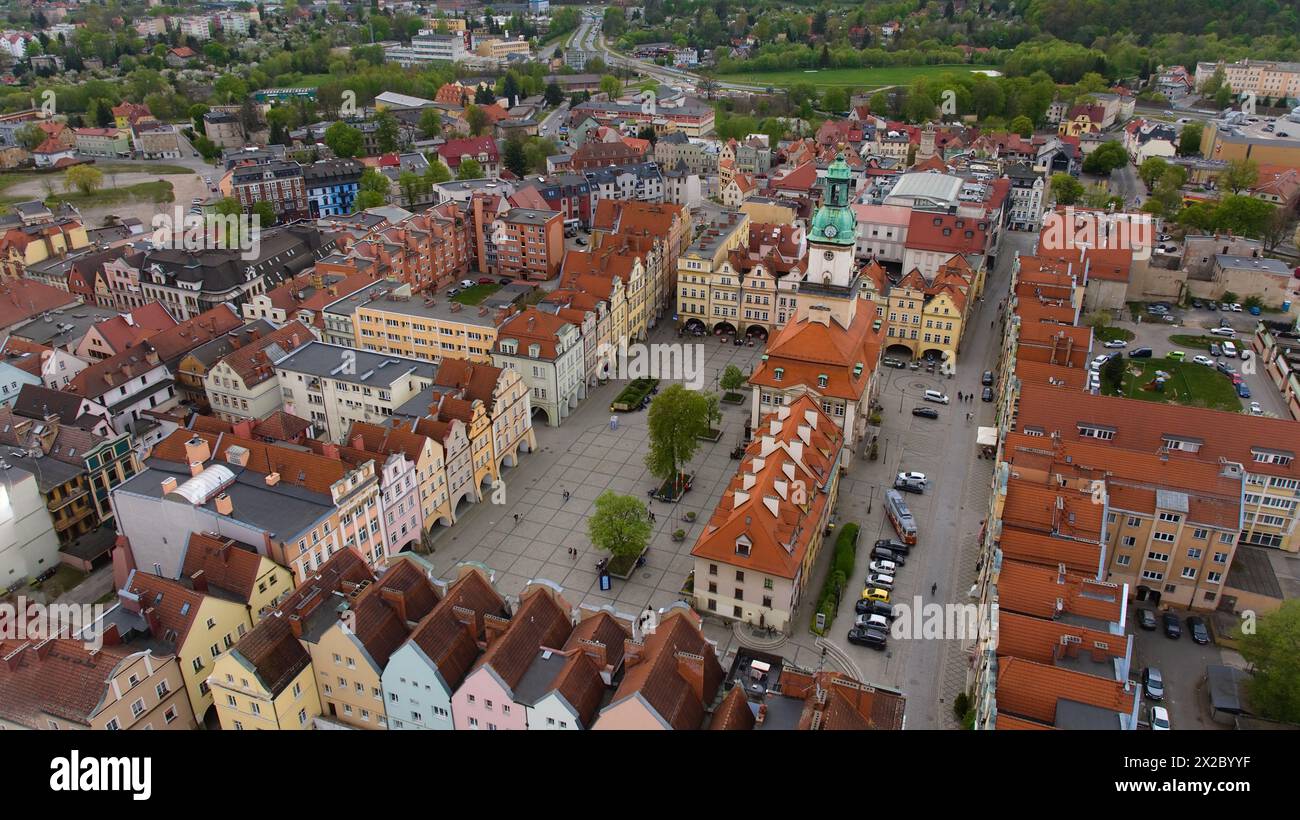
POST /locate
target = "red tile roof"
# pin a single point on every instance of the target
(56, 679)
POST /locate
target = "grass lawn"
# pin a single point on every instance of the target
(142, 168)
(1113, 334)
(159, 191)
(1190, 384)
(64, 579)
(476, 294)
(859, 78)
(1197, 342)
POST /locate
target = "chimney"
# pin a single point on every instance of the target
(295, 625)
(196, 449)
(395, 598)
(155, 622)
(169, 484)
(272, 479)
(691, 668)
(110, 636)
(43, 648)
(237, 455)
(196, 467)
(358, 442)
(14, 658)
(331, 450)
(224, 505)
(762, 714)
(200, 582)
(242, 428)
(598, 652)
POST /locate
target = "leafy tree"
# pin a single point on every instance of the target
(835, 100)
(196, 115)
(677, 416)
(411, 185)
(611, 85)
(1273, 651)
(1022, 125)
(265, 213)
(469, 169)
(476, 119)
(30, 136)
(1278, 228)
(1238, 175)
(620, 525)
(374, 181)
(1112, 373)
(84, 178)
(228, 206)
(484, 96)
(1243, 215)
(515, 159)
(1189, 141)
(387, 134)
(430, 123)
(344, 140)
(1151, 169)
(554, 94)
(437, 172)
(368, 199)
(733, 378)
(1106, 158)
(1066, 189)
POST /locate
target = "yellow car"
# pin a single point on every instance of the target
(875, 594)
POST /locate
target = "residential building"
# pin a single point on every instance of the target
(28, 543)
(221, 566)
(698, 267)
(529, 243)
(429, 328)
(244, 384)
(482, 150)
(223, 129)
(127, 384)
(1263, 78)
(332, 186)
(282, 184)
(109, 143)
(156, 140)
(547, 353)
(755, 557)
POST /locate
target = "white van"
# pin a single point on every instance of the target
(1223, 331)
(1230, 350)
(936, 396)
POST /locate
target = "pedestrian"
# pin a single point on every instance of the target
(933, 589)
(516, 518)
(566, 494)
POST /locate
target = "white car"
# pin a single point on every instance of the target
(1094, 381)
(880, 579)
(1099, 361)
(1116, 344)
(1205, 360)
(936, 397)
(1160, 718)
(1255, 409)
(918, 478)
(883, 567)
(872, 622)
(1235, 307)
(467, 283)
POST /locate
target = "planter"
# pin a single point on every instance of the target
(710, 435)
(622, 566)
(733, 398)
(679, 535)
(667, 492)
(689, 517)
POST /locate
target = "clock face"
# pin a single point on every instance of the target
(830, 231)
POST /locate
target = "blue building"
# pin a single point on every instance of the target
(332, 186)
(539, 6)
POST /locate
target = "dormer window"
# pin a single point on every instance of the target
(822, 380)
(1263, 456)
(778, 373)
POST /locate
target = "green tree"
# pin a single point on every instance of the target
(677, 417)
(344, 140)
(1189, 141)
(265, 213)
(196, 113)
(611, 86)
(554, 94)
(437, 172)
(1238, 175)
(228, 206)
(1112, 373)
(30, 136)
(84, 178)
(1022, 125)
(733, 378)
(430, 123)
(469, 169)
(1243, 215)
(368, 199)
(387, 134)
(1105, 158)
(476, 119)
(835, 100)
(1151, 169)
(411, 185)
(1066, 189)
(620, 525)
(515, 158)
(1273, 651)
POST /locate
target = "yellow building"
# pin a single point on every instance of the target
(221, 566)
(699, 269)
(425, 452)
(19, 250)
(199, 627)
(425, 328)
(929, 318)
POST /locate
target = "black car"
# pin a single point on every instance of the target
(1196, 626)
(987, 395)
(504, 280)
(893, 546)
(865, 606)
(910, 487)
(873, 638)
(1146, 619)
(882, 554)
(925, 412)
(1140, 353)
(1196, 303)
(987, 379)
(1173, 629)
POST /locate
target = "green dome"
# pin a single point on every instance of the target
(835, 222)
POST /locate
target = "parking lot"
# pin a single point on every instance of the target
(1182, 663)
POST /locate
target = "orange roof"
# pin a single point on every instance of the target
(295, 466)
(226, 564)
(1110, 264)
(60, 678)
(1034, 691)
(1045, 641)
(1063, 511)
(254, 363)
(759, 509)
(532, 326)
(22, 299)
(807, 349)
(1033, 589)
(659, 675)
(802, 178)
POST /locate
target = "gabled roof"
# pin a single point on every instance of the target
(807, 349)
(540, 621)
(387, 609)
(450, 635)
(176, 605)
(658, 676)
(59, 678)
(1035, 691)
(225, 563)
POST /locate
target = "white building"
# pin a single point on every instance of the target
(428, 48)
(547, 353)
(28, 543)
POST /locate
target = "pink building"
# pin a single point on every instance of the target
(487, 699)
(399, 493)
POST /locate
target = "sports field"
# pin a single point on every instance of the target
(858, 78)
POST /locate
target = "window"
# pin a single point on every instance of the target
(1200, 533)
(1158, 556)
(1194, 553)
(1172, 517)
(1123, 560)
(137, 708)
(1162, 536)
(740, 576)
(161, 689)
(170, 714)
(1189, 572)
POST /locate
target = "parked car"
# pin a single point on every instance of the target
(485, 280)
(909, 486)
(1196, 626)
(1243, 391)
(452, 291)
(1153, 685)
(876, 594)
(869, 620)
(1140, 353)
(1176, 355)
(504, 280)
(897, 364)
(913, 476)
(1215, 350)
(1146, 619)
(467, 283)
(865, 607)
(1205, 360)
(1115, 344)
(925, 412)
(1173, 629)
(987, 378)
(1223, 331)
(894, 546)
(1255, 409)
(987, 395)
(882, 554)
(873, 638)
(1235, 307)
(1196, 303)
(1098, 362)
(1159, 718)
(880, 579)
(883, 567)
(936, 396)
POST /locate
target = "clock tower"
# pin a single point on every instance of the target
(831, 281)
